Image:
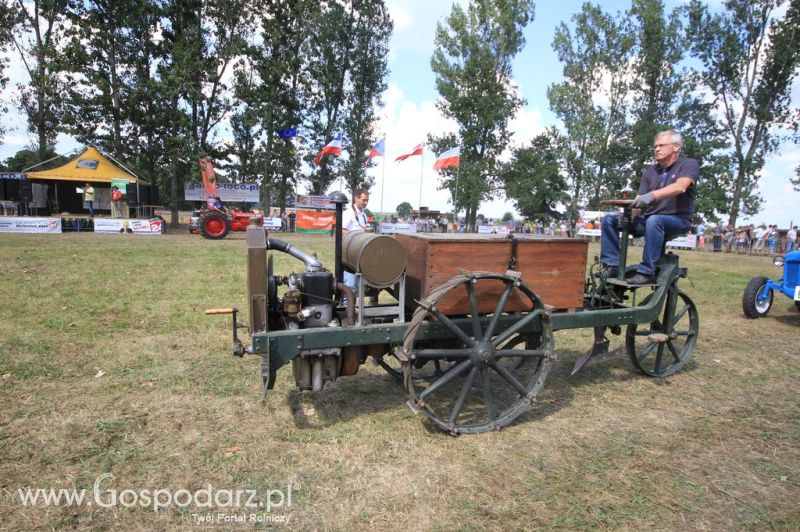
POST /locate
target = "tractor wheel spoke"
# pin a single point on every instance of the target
(463, 395)
(519, 324)
(452, 327)
(659, 354)
(500, 353)
(442, 353)
(487, 393)
(511, 379)
(674, 352)
(501, 304)
(447, 377)
(473, 305)
(646, 351)
(680, 314)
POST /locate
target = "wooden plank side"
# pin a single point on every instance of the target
(553, 268)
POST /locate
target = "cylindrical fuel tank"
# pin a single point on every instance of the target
(380, 258)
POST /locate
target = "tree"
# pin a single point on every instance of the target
(591, 103)
(7, 20)
(38, 37)
(472, 59)
(750, 58)
(664, 96)
(328, 54)
(404, 210)
(200, 42)
(268, 90)
(26, 158)
(366, 82)
(532, 178)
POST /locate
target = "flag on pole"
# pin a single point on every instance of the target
(376, 151)
(287, 133)
(451, 157)
(334, 147)
(416, 151)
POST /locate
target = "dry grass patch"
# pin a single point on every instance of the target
(109, 366)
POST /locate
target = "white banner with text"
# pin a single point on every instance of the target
(11, 224)
(135, 226)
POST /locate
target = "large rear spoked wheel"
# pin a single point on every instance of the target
(662, 347)
(491, 373)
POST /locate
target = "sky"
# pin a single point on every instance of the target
(410, 113)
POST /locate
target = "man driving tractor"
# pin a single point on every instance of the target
(668, 190)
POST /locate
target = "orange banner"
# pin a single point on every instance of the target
(314, 221)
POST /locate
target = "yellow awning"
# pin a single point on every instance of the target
(91, 166)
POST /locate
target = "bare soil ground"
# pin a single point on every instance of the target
(110, 367)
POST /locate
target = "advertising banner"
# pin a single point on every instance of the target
(12, 175)
(315, 222)
(388, 228)
(234, 192)
(135, 226)
(688, 241)
(314, 202)
(30, 225)
(272, 223)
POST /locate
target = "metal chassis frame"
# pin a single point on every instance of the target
(280, 347)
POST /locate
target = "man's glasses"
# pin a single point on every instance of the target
(655, 146)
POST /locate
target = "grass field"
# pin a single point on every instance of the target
(109, 366)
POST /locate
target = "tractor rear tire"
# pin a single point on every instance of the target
(752, 307)
(214, 225)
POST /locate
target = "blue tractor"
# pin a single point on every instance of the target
(757, 298)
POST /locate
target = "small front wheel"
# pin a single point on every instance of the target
(664, 346)
(757, 298)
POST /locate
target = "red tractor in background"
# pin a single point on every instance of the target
(215, 221)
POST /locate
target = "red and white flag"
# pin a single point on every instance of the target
(451, 157)
(416, 151)
(334, 147)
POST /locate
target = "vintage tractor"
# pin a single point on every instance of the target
(215, 221)
(470, 333)
(757, 297)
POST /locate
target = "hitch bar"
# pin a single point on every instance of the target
(238, 347)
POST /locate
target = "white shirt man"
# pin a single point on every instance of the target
(355, 219)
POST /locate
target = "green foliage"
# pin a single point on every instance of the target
(472, 59)
(346, 57)
(404, 209)
(27, 158)
(532, 179)
(366, 84)
(750, 58)
(39, 36)
(591, 103)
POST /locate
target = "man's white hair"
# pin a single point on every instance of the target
(674, 136)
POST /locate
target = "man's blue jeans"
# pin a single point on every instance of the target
(655, 229)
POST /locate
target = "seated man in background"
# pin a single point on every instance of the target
(668, 189)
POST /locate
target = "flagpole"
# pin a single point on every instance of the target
(383, 174)
(455, 195)
(421, 170)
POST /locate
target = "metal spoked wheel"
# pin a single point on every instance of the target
(662, 347)
(490, 373)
